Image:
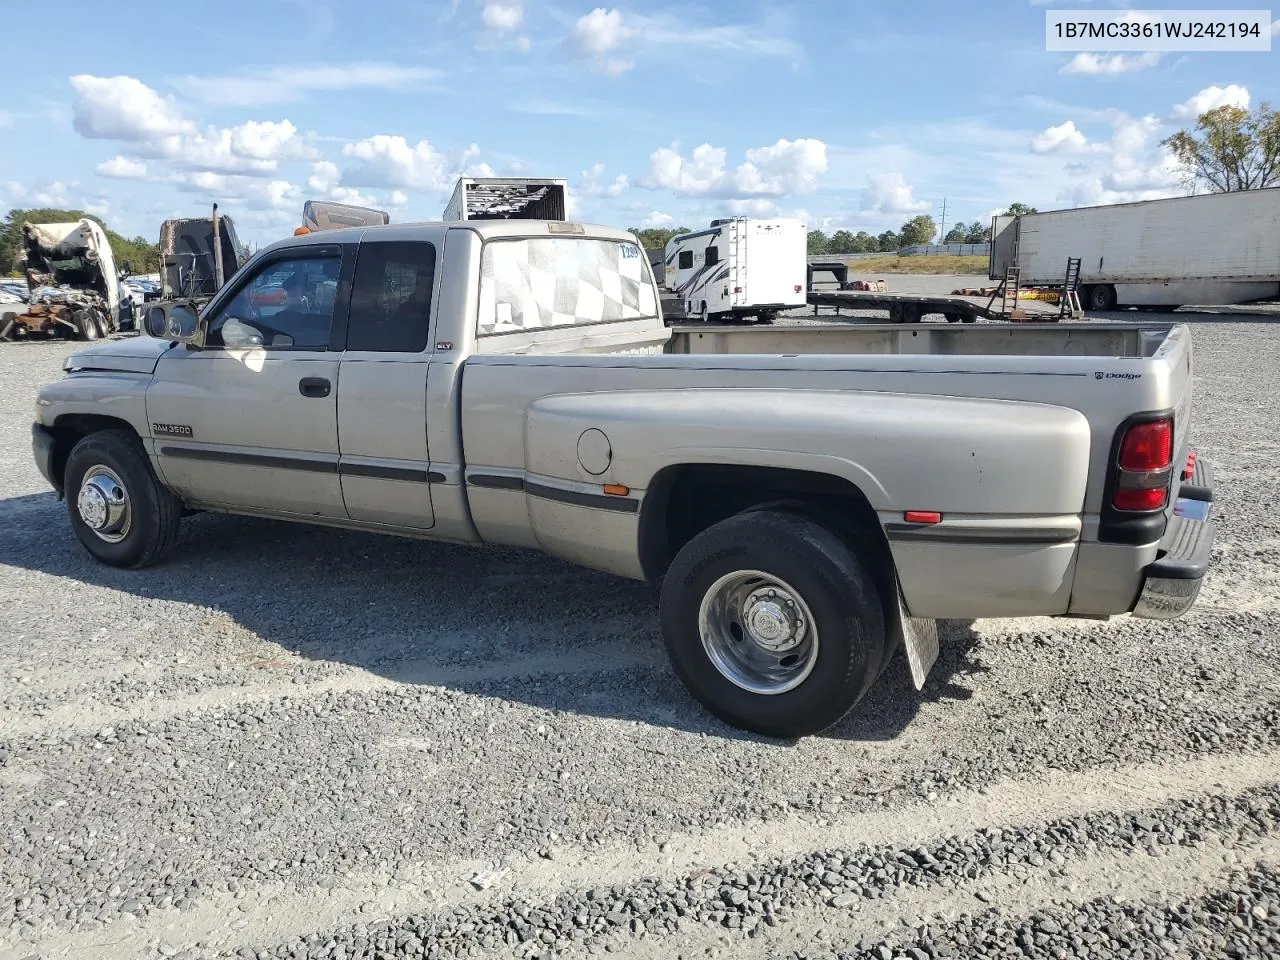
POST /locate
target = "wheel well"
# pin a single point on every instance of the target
(684, 500)
(70, 428)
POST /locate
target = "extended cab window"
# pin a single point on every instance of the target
(288, 303)
(562, 281)
(391, 299)
(686, 260)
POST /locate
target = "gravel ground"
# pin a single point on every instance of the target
(292, 742)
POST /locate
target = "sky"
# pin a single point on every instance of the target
(850, 114)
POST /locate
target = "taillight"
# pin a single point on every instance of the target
(1145, 466)
(1147, 446)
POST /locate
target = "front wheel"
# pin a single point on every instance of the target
(118, 509)
(773, 623)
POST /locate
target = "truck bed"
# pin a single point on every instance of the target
(1115, 340)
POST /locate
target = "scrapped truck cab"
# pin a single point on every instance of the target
(811, 500)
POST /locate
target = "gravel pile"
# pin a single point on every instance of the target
(1240, 922)
(750, 901)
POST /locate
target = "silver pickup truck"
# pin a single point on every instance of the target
(809, 498)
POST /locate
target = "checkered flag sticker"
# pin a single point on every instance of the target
(561, 281)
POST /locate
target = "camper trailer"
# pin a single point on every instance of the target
(739, 267)
(508, 198)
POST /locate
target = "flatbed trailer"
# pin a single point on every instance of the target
(911, 308)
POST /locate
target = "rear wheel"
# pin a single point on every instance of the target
(773, 623)
(1102, 297)
(86, 325)
(118, 509)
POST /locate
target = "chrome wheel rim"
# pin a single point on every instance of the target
(758, 632)
(103, 504)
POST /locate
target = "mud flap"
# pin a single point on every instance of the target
(920, 639)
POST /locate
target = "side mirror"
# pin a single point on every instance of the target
(175, 321)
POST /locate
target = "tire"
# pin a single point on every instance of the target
(112, 461)
(835, 626)
(1102, 297)
(954, 317)
(86, 325)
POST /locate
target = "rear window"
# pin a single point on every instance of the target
(540, 282)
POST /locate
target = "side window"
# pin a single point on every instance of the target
(713, 256)
(686, 260)
(391, 299)
(288, 303)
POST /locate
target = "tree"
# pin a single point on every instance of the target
(978, 233)
(1230, 149)
(865, 243)
(1018, 209)
(887, 241)
(842, 241)
(657, 238)
(143, 256)
(957, 234)
(919, 229)
(818, 243)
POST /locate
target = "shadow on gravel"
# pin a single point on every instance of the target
(497, 622)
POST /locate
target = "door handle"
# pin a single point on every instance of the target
(314, 387)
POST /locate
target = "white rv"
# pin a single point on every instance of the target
(739, 267)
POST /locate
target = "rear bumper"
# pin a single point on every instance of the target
(1171, 584)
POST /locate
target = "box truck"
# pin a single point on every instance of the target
(1211, 249)
(739, 267)
(508, 198)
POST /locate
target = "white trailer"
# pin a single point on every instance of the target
(1210, 249)
(739, 267)
(508, 198)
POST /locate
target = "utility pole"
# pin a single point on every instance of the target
(942, 233)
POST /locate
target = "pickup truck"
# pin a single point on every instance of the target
(810, 500)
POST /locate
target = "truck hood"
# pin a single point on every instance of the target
(135, 355)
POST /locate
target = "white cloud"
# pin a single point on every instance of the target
(600, 32)
(123, 108)
(288, 84)
(502, 15)
(752, 207)
(1093, 65)
(256, 148)
(391, 161)
(55, 193)
(123, 168)
(657, 219)
(398, 198)
(785, 167)
(613, 39)
(324, 176)
(889, 193)
(1275, 28)
(1064, 138)
(593, 184)
(1211, 98)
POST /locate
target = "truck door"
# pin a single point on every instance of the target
(251, 419)
(382, 385)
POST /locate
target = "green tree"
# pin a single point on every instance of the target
(888, 241)
(818, 244)
(919, 229)
(842, 241)
(978, 233)
(865, 243)
(1018, 209)
(143, 256)
(657, 238)
(1230, 149)
(957, 234)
